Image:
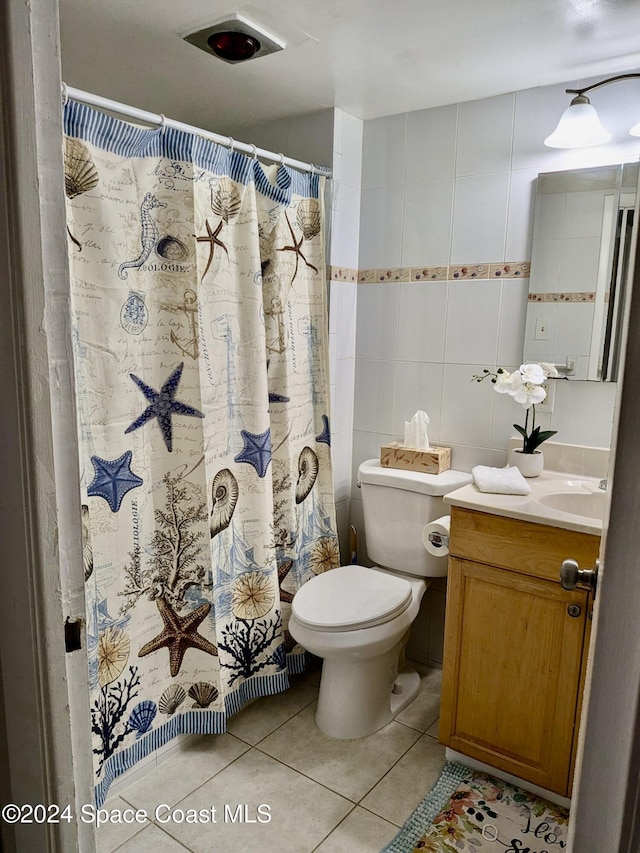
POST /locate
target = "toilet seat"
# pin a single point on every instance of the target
(350, 598)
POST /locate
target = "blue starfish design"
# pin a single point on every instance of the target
(325, 435)
(256, 450)
(112, 480)
(162, 405)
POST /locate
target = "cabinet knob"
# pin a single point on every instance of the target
(574, 610)
(571, 575)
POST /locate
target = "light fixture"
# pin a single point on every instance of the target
(236, 39)
(579, 125)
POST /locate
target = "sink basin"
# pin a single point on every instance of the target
(587, 504)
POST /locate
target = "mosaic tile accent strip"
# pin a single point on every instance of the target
(509, 270)
(464, 272)
(400, 274)
(578, 296)
(454, 272)
(429, 273)
(342, 274)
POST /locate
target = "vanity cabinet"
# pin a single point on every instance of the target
(515, 646)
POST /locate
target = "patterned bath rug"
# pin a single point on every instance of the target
(470, 812)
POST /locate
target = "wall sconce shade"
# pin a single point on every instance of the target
(579, 125)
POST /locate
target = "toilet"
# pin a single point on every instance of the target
(357, 619)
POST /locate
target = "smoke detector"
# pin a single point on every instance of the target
(235, 39)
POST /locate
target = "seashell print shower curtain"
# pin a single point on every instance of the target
(200, 348)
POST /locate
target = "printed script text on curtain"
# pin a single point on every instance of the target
(198, 298)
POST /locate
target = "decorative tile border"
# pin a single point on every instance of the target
(429, 273)
(342, 274)
(453, 272)
(459, 272)
(578, 296)
(400, 274)
(519, 270)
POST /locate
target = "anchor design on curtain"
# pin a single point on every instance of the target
(203, 426)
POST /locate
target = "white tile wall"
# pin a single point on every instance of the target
(473, 320)
(480, 219)
(427, 223)
(484, 135)
(377, 329)
(431, 144)
(450, 185)
(381, 211)
(456, 185)
(422, 321)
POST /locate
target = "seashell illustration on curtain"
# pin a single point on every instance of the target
(308, 468)
(224, 497)
(80, 174)
(207, 369)
(171, 699)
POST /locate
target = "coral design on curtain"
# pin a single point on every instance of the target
(200, 346)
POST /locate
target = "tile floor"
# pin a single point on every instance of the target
(324, 795)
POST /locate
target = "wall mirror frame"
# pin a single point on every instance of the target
(583, 233)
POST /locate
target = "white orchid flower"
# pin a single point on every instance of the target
(532, 373)
(549, 369)
(503, 382)
(529, 395)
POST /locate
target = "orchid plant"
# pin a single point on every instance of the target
(525, 386)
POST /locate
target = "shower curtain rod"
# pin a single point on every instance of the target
(156, 119)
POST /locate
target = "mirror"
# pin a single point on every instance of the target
(582, 236)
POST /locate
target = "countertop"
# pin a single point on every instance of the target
(528, 507)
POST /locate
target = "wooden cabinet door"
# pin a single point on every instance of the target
(511, 671)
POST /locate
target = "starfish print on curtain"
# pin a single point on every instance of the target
(256, 451)
(179, 634)
(162, 406)
(113, 479)
(185, 577)
(308, 220)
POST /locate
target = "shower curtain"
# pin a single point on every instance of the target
(200, 350)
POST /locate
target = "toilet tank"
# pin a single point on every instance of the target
(396, 505)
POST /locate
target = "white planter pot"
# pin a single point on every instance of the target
(529, 464)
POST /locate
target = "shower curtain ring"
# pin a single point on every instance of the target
(281, 156)
(65, 94)
(313, 170)
(163, 121)
(254, 152)
(231, 143)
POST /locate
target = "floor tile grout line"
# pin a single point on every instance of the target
(386, 773)
(248, 744)
(152, 823)
(340, 822)
(375, 814)
(284, 723)
(256, 746)
(310, 778)
(197, 788)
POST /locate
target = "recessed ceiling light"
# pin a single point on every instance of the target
(235, 40)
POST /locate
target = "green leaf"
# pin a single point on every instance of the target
(536, 438)
(521, 430)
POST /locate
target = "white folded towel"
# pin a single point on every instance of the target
(501, 481)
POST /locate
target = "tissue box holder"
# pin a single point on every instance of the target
(432, 461)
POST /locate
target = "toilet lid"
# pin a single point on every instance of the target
(350, 597)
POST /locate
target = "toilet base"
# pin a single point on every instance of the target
(358, 698)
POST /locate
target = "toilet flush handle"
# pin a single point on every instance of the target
(439, 540)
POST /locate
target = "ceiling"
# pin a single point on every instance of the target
(369, 57)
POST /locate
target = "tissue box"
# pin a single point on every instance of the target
(432, 461)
